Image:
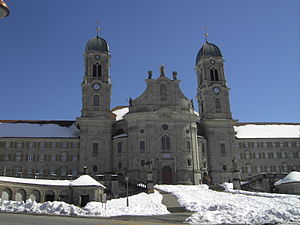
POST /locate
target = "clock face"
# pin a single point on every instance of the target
(216, 90)
(96, 87)
(212, 61)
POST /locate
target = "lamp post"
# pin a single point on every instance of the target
(4, 10)
(127, 180)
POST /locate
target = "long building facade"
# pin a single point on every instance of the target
(159, 132)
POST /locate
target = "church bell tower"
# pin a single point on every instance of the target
(216, 121)
(96, 120)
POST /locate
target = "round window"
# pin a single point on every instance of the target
(165, 127)
(142, 131)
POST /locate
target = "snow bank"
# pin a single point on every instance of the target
(290, 178)
(267, 131)
(141, 204)
(212, 207)
(37, 130)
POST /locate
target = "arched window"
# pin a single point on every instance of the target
(216, 75)
(94, 70)
(119, 147)
(163, 92)
(168, 144)
(165, 143)
(95, 168)
(96, 100)
(95, 149)
(212, 78)
(218, 103)
(224, 167)
(189, 162)
(99, 70)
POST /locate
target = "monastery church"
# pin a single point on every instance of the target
(159, 132)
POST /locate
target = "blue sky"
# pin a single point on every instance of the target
(42, 45)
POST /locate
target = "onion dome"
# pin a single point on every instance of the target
(208, 50)
(97, 44)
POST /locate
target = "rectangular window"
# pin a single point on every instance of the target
(279, 155)
(142, 146)
(294, 144)
(203, 148)
(52, 172)
(41, 158)
(277, 144)
(285, 144)
(63, 156)
(257, 155)
(42, 145)
(260, 144)
(188, 145)
(29, 157)
(250, 145)
(269, 144)
(95, 149)
(18, 156)
(53, 157)
(223, 150)
(74, 158)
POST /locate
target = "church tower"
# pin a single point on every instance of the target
(214, 111)
(96, 118)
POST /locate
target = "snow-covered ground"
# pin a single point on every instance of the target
(140, 204)
(235, 207)
(210, 207)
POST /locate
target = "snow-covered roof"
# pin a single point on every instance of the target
(267, 130)
(292, 177)
(84, 180)
(120, 111)
(38, 129)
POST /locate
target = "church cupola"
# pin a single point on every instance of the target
(212, 92)
(96, 86)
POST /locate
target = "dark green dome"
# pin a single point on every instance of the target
(97, 44)
(207, 50)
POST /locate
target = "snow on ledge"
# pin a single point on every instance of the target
(290, 178)
(267, 131)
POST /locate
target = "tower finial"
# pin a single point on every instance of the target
(98, 28)
(205, 34)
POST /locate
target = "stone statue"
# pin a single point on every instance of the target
(130, 102)
(162, 71)
(192, 102)
(174, 75)
(234, 165)
(149, 74)
(148, 166)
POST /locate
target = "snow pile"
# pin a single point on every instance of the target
(141, 204)
(290, 178)
(267, 131)
(213, 207)
(120, 112)
(37, 130)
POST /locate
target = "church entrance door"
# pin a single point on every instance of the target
(167, 175)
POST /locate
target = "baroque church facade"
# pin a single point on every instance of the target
(159, 132)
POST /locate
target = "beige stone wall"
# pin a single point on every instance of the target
(39, 157)
(275, 155)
